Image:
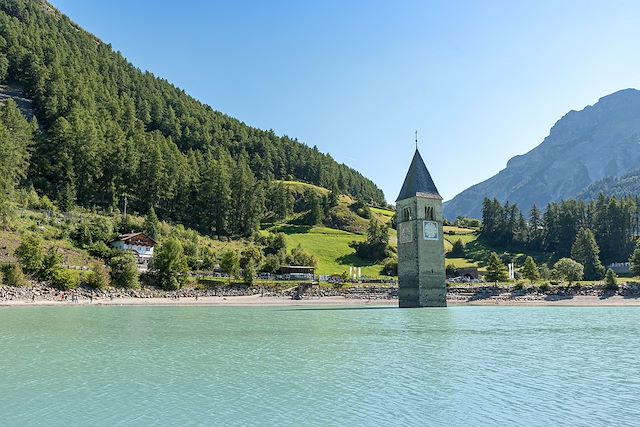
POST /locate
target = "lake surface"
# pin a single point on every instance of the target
(300, 366)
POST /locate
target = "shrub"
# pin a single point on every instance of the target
(451, 270)
(100, 250)
(97, 278)
(301, 257)
(64, 279)
(251, 254)
(169, 264)
(544, 287)
(569, 269)
(45, 204)
(391, 266)
(272, 263)
(124, 271)
(230, 264)
(30, 254)
(90, 232)
(249, 272)
(12, 275)
(611, 281)
(52, 261)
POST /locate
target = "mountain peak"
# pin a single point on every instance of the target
(583, 147)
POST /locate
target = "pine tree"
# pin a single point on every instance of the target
(247, 201)
(16, 136)
(314, 205)
(611, 280)
(249, 272)
(67, 197)
(536, 228)
(230, 263)
(151, 224)
(457, 249)
(530, 270)
(586, 252)
(496, 270)
(221, 197)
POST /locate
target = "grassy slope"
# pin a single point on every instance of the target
(297, 187)
(329, 245)
(451, 235)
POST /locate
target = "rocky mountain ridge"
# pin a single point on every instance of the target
(583, 147)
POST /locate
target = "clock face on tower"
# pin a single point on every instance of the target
(430, 230)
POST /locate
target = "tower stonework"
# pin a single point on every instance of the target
(421, 272)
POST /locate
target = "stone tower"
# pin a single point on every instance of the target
(421, 274)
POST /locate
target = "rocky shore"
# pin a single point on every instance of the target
(38, 294)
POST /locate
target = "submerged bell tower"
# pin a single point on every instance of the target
(421, 271)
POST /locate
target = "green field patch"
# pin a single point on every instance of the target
(461, 263)
(300, 187)
(331, 248)
(451, 229)
(383, 212)
(466, 238)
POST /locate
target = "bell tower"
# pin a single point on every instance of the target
(421, 272)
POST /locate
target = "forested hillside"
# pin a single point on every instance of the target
(105, 129)
(614, 223)
(627, 185)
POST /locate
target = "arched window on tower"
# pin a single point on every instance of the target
(406, 214)
(428, 213)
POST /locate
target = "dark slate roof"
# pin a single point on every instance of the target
(418, 181)
(127, 237)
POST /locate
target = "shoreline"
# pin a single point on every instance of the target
(271, 301)
(42, 295)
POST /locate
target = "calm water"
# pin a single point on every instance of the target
(275, 366)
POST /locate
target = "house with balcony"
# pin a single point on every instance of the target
(139, 244)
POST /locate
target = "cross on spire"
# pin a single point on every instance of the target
(416, 140)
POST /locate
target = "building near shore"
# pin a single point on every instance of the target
(139, 244)
(296, 272)
(620, 267)
(421, 270)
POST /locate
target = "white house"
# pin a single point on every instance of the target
(139, 243)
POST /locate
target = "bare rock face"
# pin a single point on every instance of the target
(24, 104)
(602, 140)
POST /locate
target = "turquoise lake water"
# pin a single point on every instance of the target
(299, 366)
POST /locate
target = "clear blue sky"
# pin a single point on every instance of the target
(480, 81)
